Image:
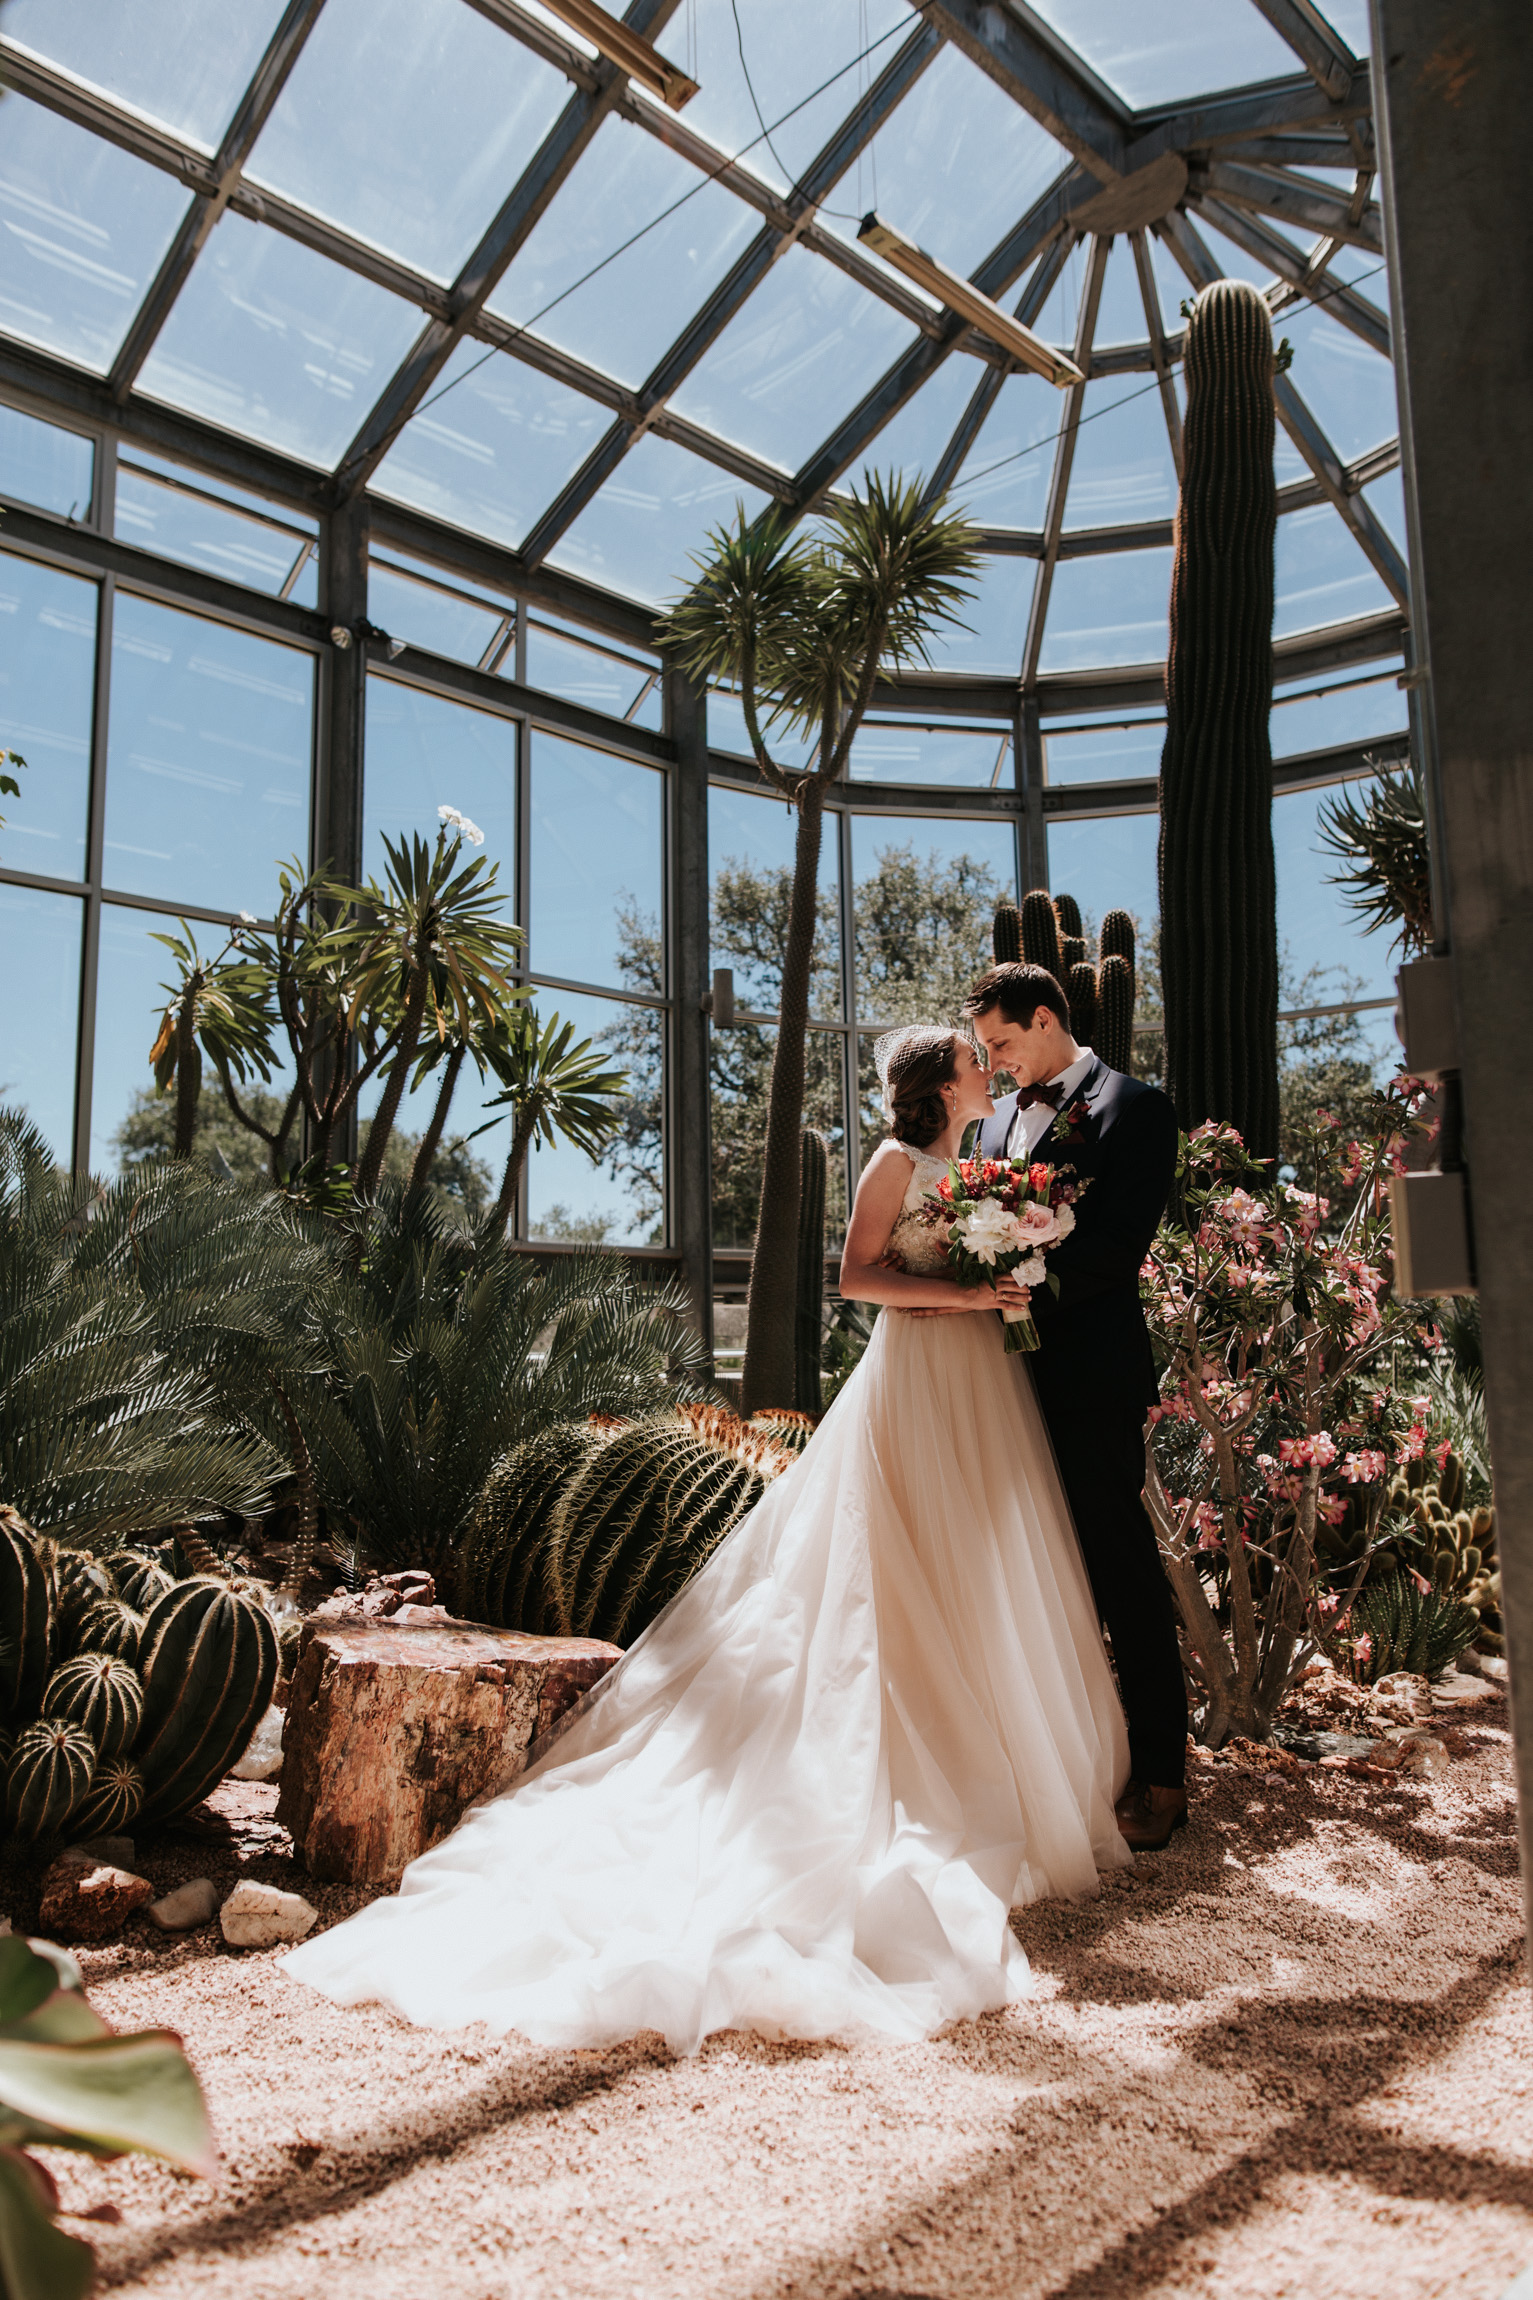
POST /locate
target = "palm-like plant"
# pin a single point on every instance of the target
(444, 1349)
(219, 1007)
(554, 1091)
(1383, 843)
(804, 630)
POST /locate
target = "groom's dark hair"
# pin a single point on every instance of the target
(1018, 991)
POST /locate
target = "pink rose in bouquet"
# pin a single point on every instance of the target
(1000, 1216)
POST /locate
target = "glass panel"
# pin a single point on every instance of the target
(617, 1199)
(560, 665)
(162, 58)
(40, 943)
(1120, 310)
(494, 444)
(750, 860)
(445, 623)
(468, 1165)
(1004, 481)
(1108, 610)
(925, 894)
(639, 533)
(1122, 469)
(790, 46)
(1348, 387)
(407, 122)
(1343, 714)
(915, 439)
(1172, 284)
(208, 758)
(990, 640)
(727, 731)
(596, 876)
(740, 1076)
(278, 343)
(47, 682)
(803, 351)
(41, 464)
(129, 1003)
(1386, 498)
(640, 300)
(1111, 751)
(1322, 575)
(85, 228)
(1108, 863)
(957, 168)
(189, 528)
(1325, 956)
(897, 751)
(1161, 54)
(424, 752)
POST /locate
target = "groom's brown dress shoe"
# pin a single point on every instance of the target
(1148, 1817)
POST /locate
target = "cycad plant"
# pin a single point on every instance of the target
(804, 629)
(555, 1091)
(1382, 843)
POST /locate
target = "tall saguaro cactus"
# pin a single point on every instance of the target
(1218, 899)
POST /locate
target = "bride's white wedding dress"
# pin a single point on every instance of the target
(806, 1798)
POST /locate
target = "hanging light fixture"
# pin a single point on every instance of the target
(627, 49)
(960, 295)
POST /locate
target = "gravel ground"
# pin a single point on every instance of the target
(1289, 2056)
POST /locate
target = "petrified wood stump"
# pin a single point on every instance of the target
(394, 1729)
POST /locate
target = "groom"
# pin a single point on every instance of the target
(1094, 1372)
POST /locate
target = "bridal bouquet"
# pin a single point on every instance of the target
(1000, 1215)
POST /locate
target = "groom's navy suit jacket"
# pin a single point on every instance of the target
(1094, 1347)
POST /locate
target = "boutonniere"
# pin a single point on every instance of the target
(1072, 1119)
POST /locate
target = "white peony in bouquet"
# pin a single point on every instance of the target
(1000, 1216)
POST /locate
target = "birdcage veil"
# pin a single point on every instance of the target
(893, 1042)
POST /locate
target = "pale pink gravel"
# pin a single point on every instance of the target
(1288, 2057)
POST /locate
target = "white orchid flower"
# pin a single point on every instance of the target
(471, 831)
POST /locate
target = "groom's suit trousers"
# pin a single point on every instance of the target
(1101, 1466)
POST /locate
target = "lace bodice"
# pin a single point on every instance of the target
(921, 1251)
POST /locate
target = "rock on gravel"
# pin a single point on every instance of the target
(189, 1905)
(258, 1916)
(84, 1899)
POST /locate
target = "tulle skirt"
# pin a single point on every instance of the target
(805, 1800)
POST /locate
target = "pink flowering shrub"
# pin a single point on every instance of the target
(1285, 1404)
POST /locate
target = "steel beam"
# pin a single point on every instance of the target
(1455, 99)
(71, 545)
(1321, 50)
(1271, 192)
(1064, 459)
(1160, 358)
(499, 569)
(1331, 473)
(420, 667)
(1039, 72)
(1354, 311)
(1215, 120)
(690, 1159)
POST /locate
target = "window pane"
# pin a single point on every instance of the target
(790, 46)
(740, 1075)
(208, 759)
(278, 343)
(750, 860)
(1104, 754)
(894, 751)
(619, 1198)
(161, 57)
(1108, 863)
(427, 617)
(1346, 714)
(560, 665)
(468, 1165)
(407, 122)
(1122, 469)
(597, 829)
(493, 447)
(991, 631)
(1120, 308)
(1152, 52)
(925, 901)
(727, 731)
(129, 1002)
(424, 752)
(1322, 575)
(639, 533)
(85, 228)
(41, 464)
(1108, 610)
(1325, 955)
(624, 318)
(40, 940)
(47, 681)
(1347, 386)
(202, 534)
(1005, 477)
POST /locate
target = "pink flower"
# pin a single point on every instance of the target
(1365, 1467)
(1331, 1508)
(1362, 1649)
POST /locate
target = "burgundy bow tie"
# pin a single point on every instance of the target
(1053, 1094)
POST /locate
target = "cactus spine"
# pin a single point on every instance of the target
(811, 1273)
(102, 1693)
(1040, 934)
(114, 1801)
(1081, 990)
(28, 1620)
(209, 1666)
(1218, 900)
(48, 1776)
(1006, 934)
(1114, 1039)
(139, 1579)
(108, 1627)
(503, 1554)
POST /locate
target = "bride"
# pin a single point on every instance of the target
(879, 1717)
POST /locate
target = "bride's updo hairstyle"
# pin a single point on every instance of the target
(915, 1066)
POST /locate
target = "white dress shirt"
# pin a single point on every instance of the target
(1029, 1126)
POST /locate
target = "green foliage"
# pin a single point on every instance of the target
(220, 1008)
(1382, 843)
(1217, 876)
(208, 1659)
(811, 1274)
(555, 1091)
(1423, 1631)
(48, 1776)
(67, 2082)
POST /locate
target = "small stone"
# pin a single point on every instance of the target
(187, 1906)
(257, 1916)
(84, 1899)
(1456, 1686)
(1313, 1747)
(117, 1852)
(262, 1761)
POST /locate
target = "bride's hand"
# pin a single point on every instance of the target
(1011, 1296)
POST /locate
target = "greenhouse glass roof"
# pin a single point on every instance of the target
(446, 252)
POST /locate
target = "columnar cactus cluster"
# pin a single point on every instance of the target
(1048, 931)
(124, 1695)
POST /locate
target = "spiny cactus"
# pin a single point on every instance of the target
(1040, 934)
(788, 1431)
(102, 1693)
(139, 1579)
(1114, 1039)
(28, 1620)
(48, 1776)
(608, 1517)
(809, 1306)
(1408, 1629)
(1006, 934)
(209, 1666)
(1071, 926)
(107, 1627)
(503, 1554)
(114, 1800)
(1081, 990)
(1218, 896)
(79, 1582)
